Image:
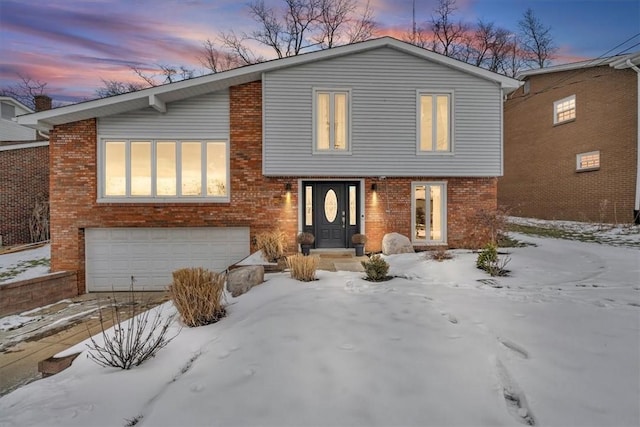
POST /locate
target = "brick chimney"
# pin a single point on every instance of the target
(42, 102)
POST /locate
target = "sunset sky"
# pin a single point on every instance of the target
(73, 44)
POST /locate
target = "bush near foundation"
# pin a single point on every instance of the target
(302, 267)
(376, 269)
(271, 243)
(197, 294)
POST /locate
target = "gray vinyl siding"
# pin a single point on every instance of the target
(205, 116)
(384, 84)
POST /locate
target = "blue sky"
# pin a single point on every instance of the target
(72, 44)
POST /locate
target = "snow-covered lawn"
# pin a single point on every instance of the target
(555, 344)
(25, 264)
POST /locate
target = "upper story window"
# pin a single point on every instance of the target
(331, 108)
(7, 111)
(434, 122)
(564, 110)
(588, 161)
(159, 170)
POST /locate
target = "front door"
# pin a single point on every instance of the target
(332, 212)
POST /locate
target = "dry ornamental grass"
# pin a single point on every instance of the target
(271, 244)
(197, 294)
(302, 267)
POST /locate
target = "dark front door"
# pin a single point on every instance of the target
(332, 212)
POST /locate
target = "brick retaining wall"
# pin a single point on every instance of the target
(31, 293)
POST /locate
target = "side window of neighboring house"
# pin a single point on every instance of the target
(7, 111)
(564, 110)
(588, 161)
(435, 122)
(331, 131)
(164, 170)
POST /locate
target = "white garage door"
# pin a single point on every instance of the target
(150, 255)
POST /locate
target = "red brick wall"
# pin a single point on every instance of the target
(24, 295)
(540, 178)
(256, 201)
(466, 197)
(24, 179)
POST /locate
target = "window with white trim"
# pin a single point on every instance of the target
(564, 110)
(588, 161)
(434, 122)
(428, 212)
(331, 121)
(141, 170)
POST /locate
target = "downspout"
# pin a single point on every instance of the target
(636, 208)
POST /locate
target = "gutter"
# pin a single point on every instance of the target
(636, 208)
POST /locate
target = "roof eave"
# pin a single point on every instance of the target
(157, 97)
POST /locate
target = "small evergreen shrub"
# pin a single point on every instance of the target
(489, 261)
(487, 255)
(197, 294)
(271, 243)
(376, 268)
(302, 267)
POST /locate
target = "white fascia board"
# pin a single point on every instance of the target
(157, 104)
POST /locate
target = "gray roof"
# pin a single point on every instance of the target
(157, 97)
(618, 62)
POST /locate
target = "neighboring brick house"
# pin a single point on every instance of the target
(373, 137)
(571, 142)
(24, 170)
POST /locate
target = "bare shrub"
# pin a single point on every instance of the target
(376, 268)
(302, 267)
(440, 255)
(132, 341)
(197, 294)
(271, 243)
(39, 222)
(489, 226)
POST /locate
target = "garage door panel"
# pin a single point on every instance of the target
(113, 255)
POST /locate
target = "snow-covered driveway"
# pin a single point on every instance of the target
(555, 344)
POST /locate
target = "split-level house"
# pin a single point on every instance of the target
(571, 142)
(375, 137)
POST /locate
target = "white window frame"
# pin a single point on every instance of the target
(128, 198)
(434, 93)
(559, 102)
(427, 241)
(332, 92)
(579, 157)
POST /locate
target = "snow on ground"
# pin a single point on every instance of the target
(555, 344)
(613, 234)
(25, 264)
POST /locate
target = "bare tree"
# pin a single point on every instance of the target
(236, 45)
(364, 27)
(25, 90)
(339, 23)
(116, 87)
(164, 74)
(216, 59)
(536, 40)
(447, 35)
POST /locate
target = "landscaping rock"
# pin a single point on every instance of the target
(396, 243)
(241, 280)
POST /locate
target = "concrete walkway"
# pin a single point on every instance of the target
(58, 327)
